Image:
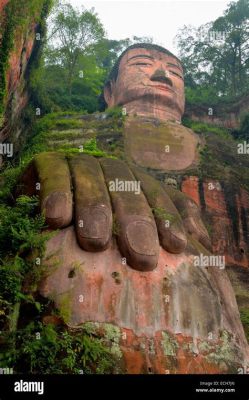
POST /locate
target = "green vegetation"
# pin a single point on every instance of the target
(35, 347)
(8, 180)
(76, 62)
(69, 77)
(61, 124)
(45, 349)
(114, 112)
(71, 133)
(243, 132)
(223, 350)
(215, 57)
(90, 147)
(244, 126)
(20, 235)
(162, 214)
(219, 158)
(115, 226)
(169, 344)
(202, 127)
(244, 315)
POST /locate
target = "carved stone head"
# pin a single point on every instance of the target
(147, 80)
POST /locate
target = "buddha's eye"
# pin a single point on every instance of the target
(176, 74)
(143, 64)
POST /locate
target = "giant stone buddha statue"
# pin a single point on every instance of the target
(141, 277)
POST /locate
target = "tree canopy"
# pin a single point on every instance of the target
(216, 55)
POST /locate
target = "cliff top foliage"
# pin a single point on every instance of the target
(215, 56)
(15, 22)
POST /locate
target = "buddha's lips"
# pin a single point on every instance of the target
(164, 87)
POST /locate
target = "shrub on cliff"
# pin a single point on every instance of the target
(244, 127)
(45, 349)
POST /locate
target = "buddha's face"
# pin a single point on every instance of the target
(149, 82)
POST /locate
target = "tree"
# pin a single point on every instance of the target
(73, 33)
(108, 51)
(76, 61)
(216, 55)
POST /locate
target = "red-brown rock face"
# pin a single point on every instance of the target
(149, 83)
(16, 97)
(190, 186)
(229, 218)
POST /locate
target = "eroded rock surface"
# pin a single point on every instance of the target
(22, 49)
(165, 318)
(229, 227)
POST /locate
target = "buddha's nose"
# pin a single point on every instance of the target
(161, 75)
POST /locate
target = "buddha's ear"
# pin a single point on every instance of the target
(109, 93)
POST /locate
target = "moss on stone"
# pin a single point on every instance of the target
(91, 328)
(113, 334)
(169, 345)
(73, 135)
(244, 314)
(53, 172)
(109, 333)
(69, 134)
(224, 351)
(204, 346)
(67, 123)
(194, 246)
(88, 180)
(156, 138)
(65, 307)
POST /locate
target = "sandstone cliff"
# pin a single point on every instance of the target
(229, 222)
(21, 35)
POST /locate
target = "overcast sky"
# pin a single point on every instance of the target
(158, 19)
